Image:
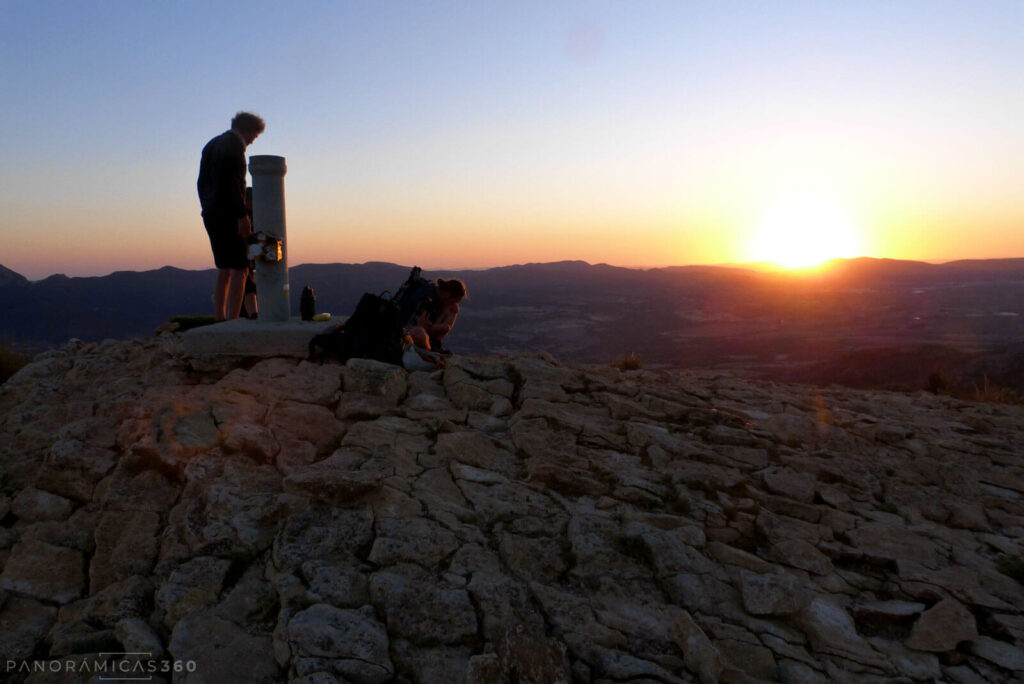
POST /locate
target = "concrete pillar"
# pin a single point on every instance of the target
(268, 217)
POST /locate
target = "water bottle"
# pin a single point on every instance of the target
(307, 305)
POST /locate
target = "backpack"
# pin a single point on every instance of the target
(307, 303)
(374, 330)
(412, 284)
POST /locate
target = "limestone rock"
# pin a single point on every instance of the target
(432, 407)
(126, 545)
(305, 422)
(374, 378)
(506, 519)
(503, 601)
(63, 533)
(566, 476)
(388, 436)
(195, 429)
(887, 612)
(412, 540)
(800, 554)
(73, 468)
(831, 630)
(576, 619)
(942, 627)
(596, 552)
(420, 611)
(34, 505)
(137, 636)
(484, 669)
(794, 430)
(789, 483)
(468, 392)
(229, 507)
(655, 630)
(918, 665)
(968, 516)
(730, 555)
(525, 656)
(286, 381)
(190, 587)
(1001, 653)
(130, 598)
(744, 653)
(799, 673)
(478, 450)
(23, 624)
(69, 638)
(432, 664)
(255, 442)
(699, 654)
(478, 475)
(348, 643)
(338, 583)
(222, 651)
(532, 558)
(45, 572)
(773, 593)
(342, 479)
(320, 534)
(128, 489)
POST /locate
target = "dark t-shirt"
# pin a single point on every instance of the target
(221, 181)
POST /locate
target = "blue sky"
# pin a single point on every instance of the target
(457, 134)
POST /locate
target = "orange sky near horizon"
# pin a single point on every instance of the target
(499, 240)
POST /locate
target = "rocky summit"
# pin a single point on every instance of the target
(508, 519)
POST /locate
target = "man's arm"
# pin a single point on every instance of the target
(444, 324)
(234, 181)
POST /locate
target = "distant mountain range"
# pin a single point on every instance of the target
(9, 277)
(841, 323)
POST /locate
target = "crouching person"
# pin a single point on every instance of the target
(434, 308)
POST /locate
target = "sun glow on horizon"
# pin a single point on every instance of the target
(802, 231)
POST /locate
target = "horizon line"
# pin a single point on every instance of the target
(760, 266)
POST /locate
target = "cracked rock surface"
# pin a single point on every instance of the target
(508, 519)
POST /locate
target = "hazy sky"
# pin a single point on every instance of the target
(473, 134)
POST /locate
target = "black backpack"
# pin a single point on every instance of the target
(413, 283)
(373, 331)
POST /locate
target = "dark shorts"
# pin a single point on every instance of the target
(229, 248)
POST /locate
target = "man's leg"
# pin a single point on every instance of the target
(250, 307)
(220, 293)
(236, 289)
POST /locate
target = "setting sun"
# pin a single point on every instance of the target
(799, 232)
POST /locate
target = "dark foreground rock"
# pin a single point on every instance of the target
(506, 520)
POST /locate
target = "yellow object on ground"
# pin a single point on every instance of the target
(322, 317)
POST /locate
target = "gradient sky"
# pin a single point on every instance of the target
(475, 134)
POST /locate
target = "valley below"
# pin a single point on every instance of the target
(870, 323)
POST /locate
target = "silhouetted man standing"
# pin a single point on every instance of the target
(221, 188)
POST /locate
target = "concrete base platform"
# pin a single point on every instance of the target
(247, 338)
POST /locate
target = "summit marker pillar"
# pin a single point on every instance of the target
(268, 217)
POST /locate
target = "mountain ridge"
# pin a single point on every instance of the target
(815, 326)
(1015, 264)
